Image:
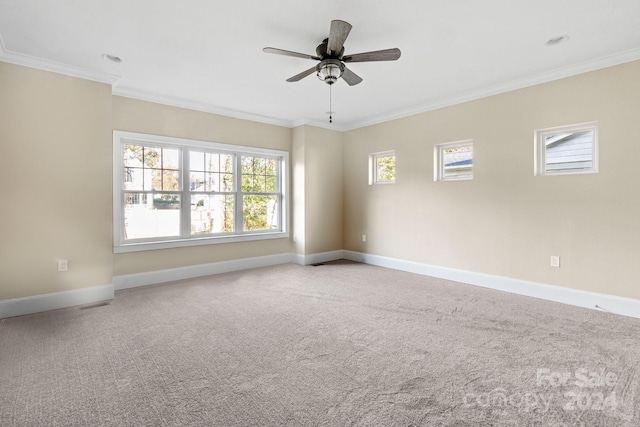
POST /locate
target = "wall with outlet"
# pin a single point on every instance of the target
(55, 174)
(157, 119)
(578, 231)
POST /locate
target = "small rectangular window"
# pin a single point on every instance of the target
(382, 168)
(567, 149)
(453, 161)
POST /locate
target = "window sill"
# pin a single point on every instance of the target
(181, 243)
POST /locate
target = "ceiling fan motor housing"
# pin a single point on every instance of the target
(322, 53)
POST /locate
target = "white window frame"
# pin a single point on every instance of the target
(540, 149)
(373, 167)
(121, 245)
(438, 160)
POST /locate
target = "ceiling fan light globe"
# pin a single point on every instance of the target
(330, 70)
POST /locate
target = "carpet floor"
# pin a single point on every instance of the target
(341, 344)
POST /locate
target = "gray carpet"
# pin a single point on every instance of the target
(342, 344)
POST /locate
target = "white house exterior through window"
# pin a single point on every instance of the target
(171, 192)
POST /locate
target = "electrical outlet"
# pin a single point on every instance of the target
(63, 265)
(555, 261)
(364, 237)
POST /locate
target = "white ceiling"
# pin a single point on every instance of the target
(207, 54)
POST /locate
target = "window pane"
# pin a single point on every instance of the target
(151, 156)
(247, 182)
(386, 169)
(213, 162)
(457, 162)
(271, 166)
(165, 180)
(196, 181)
(133, 156)
(133, 178)
(196, 160)
(151, 215)
(212, 182)
(272, 184)
(259, 184)
(212, 214)
(170, 158)
(260, 213)
(226, 182)
(569, 151)
(258, 165)
(247, 165)
(226, 163)
(147, 176)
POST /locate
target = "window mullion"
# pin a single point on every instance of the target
(239, 217)
(185, 198)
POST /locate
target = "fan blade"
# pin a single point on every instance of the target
(337, 35)
(289, 53)
(302, 75)
(350, 77)
(378, 55)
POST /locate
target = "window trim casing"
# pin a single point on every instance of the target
(373, 169)
(122, 246)
(438, 160)
(540, 161)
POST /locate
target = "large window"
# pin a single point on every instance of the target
(453, 161)
(172, 192)
(567, 150)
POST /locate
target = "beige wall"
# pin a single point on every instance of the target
(323, 190)
(146, 117)
(56, 177)
(298, 206)
(55, 180)
(506, 221)
(318, 207)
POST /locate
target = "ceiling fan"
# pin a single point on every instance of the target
(332, 59)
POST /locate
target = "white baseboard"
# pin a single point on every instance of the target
(318, 258)
(57, 300)
(53, 301)
(172, 274)
(34, 304)
(597, 301)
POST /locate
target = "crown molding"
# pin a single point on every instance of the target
(53, 66)
(314, 123)
(557, 74)
(112, 79)
(199, 106)
(221, 111)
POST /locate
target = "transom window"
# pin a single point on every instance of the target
(382, 168)
(567, 149)
(453, 161)
(172, 192)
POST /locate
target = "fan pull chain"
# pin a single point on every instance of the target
(330, 105)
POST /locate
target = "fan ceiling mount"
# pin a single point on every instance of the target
(332, 59)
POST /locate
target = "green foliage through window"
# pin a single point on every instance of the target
(174, 191)
(384, 165)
